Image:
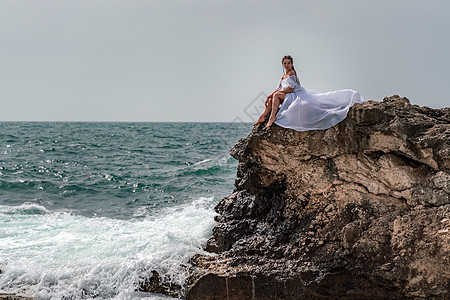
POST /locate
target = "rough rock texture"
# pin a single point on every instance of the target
(160, 285)
(358, 211)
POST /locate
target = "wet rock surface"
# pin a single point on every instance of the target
(160, 285)
(358, 211)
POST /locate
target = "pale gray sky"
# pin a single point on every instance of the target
(162, 60)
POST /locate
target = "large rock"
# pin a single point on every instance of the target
(358, 211)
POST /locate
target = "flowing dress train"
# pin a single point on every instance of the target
(305, 109)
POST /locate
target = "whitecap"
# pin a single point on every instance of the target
(60, 255)
(27, 208)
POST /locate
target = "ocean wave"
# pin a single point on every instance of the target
(24, 209)
(60, 255)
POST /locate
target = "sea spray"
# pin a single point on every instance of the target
(60, 255)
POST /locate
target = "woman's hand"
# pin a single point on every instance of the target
(268, 100)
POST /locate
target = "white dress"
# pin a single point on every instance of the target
(305, 109)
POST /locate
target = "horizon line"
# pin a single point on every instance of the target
(71, 121)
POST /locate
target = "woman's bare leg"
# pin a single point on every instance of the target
(275, 103)
(265, 113)
(272, 118)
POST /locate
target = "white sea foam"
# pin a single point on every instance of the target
(55, 255)
(27, 209)
(202, 162)
(215, 162)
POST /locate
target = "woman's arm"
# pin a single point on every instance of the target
(287, 90)
(271, 95)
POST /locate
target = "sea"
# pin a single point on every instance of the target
(88, 210)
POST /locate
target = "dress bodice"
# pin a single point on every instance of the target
(289, 82)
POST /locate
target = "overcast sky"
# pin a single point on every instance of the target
(130, 60)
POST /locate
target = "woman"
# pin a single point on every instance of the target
(302, 109)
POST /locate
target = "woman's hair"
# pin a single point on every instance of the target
(291, 59)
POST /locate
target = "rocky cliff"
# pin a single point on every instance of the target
(358, 211)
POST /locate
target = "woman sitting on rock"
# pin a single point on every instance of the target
(302, 109)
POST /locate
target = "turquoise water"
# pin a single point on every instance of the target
(87, 210)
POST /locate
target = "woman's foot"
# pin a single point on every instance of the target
(270, 122)
(259, 121)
